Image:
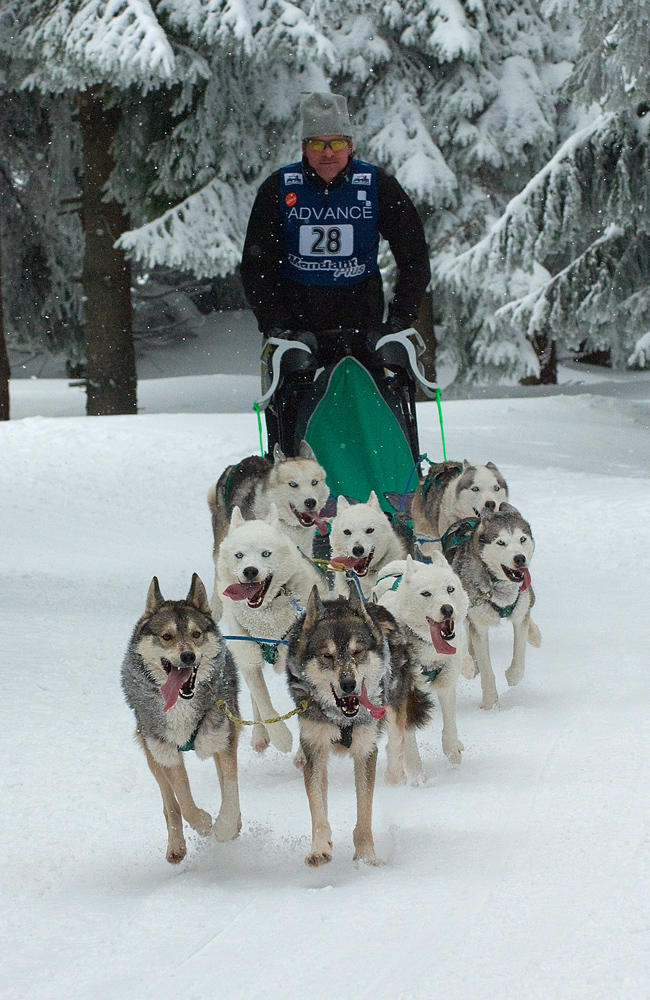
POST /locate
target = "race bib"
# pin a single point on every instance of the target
(326, 241)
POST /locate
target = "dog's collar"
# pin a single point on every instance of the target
(507, 611)
(432, 673)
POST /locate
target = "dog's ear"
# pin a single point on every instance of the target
(373, 501)
(154, 597)
(492, 466)
(355, 600)
(437, 557)
(314, 609)
(237, 518)
(197, 595)
(507, 508)
(278, 454)
(466, 464)
(409, 572)
(306, 451)
(272, 517)
(341, 504)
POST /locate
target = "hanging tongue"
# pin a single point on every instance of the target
(243, 591)
(525, 584)
(440, 644)
(377, 711)
(172, 686)
(307, 518)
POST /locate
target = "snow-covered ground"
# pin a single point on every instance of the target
(523, 873)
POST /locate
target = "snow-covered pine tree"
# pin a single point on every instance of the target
(95, 48)
(569, 260)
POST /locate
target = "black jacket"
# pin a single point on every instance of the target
(281, 303)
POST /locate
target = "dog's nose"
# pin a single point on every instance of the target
(447, 610)
(310, 503)
(357, 551)
(250, 572)
(489, 505)
(348, 683)
(188, 657)
(519, 559)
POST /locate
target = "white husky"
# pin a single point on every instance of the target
(430, 605)
(363, 540)
(264, 581)
(494, 568)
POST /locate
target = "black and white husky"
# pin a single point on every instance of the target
(451, 491)
(494, 568)
(175, 672)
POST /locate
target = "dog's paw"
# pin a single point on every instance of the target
(395, 777)
(280, 736)
(318, 858)
(226, 828)
(534, 637)
(490, 701)
(300, 760)
(259, 738)
(514, 674)
(452, 749)
(417, 779)
(176, 853)
(201, 822)
(369, 858)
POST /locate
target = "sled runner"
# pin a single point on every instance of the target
(353, 400)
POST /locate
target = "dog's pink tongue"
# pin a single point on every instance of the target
(377, 711)
(525, 584)
(320, 524)
(348, 561)
(241, 591)
(172, 686)
(440, 645)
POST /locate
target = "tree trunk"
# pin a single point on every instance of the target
(425, 327)
(546, 351)
(111, 382)
(4, 357)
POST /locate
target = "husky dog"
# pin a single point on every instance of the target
(451, 491)
(430, 606)
(296, 486)
(264, 580)
(349, 662)
(493, 565)
(175, 652)
(364, 540)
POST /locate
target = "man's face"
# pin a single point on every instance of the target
(328, 163)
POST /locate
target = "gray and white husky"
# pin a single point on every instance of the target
(364, 540)
(296, 486)
(451, 491)
(263, 581)
(494, 567)
(349, 663)
(428, 602)
(175, 671)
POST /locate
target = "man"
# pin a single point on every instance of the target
(310, 256)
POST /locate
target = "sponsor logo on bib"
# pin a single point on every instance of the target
(293, 178)
(361, 179)
(291, 198)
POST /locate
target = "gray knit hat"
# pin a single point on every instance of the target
(324, 114)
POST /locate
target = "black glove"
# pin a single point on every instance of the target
(395, 324)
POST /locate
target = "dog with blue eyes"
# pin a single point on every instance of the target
(262, 583)
(430, 606)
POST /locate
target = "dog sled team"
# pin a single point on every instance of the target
(368, 639)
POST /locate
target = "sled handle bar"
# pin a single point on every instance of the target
(281, 347)
(429, 388)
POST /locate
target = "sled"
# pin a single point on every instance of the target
(353, 400)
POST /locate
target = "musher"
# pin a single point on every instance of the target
(310, 255)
